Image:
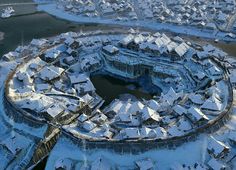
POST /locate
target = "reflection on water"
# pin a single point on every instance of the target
(109, 88)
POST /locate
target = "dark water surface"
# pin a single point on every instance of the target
(110, 88)
(28, 24)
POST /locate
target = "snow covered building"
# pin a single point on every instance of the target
(217, 148)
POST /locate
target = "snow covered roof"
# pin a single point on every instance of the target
(69, 60)
(196, 98)
(160, 132)
(69, 41)
(99, 118)
(171, 96)
(37, 63)
(153, 104)
(200, 75)
(116, 106)
(52, 54)
(125, 117)
(182, 49)
(217, 148)
(130, 133)
(89, 125)
(232, 136)
(171, 46)
(215, 71)
(63, 164)
(84, 87)
(12, 144)
(42, 87)
(83, 117)
(87, 98)
(148, 113)
(174, 131)
(50, 72)
(55, 110)
(73, 107)
(179, 109)
(110, 49)
(38, 42)
(25, 77)
(125, 108)
(125, 41)
(196, 114)
(146, 132)
(183, 124)
(136, 107)
(233, 77)
(11, 55)
(79, 78)
(215, 164)
(145, 164)
(212, 104)
(35, 102)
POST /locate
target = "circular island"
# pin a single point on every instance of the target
(53, 85)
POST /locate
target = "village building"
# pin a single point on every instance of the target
(216, 165)
(54, 111)
(149, 115)
(217, 148)
(196, 115)
(130, 133)
(145, 164)
(50, 73)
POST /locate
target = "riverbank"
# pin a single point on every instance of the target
(185, 30)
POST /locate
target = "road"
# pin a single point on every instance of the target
(24, 3)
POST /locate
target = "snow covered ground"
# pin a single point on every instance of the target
(188, 153)
(178, 155)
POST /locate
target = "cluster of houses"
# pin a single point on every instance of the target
(173, 114)
(217, 151)
(55, 85)
(102, 8)
(210, 15)
(169, 62)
